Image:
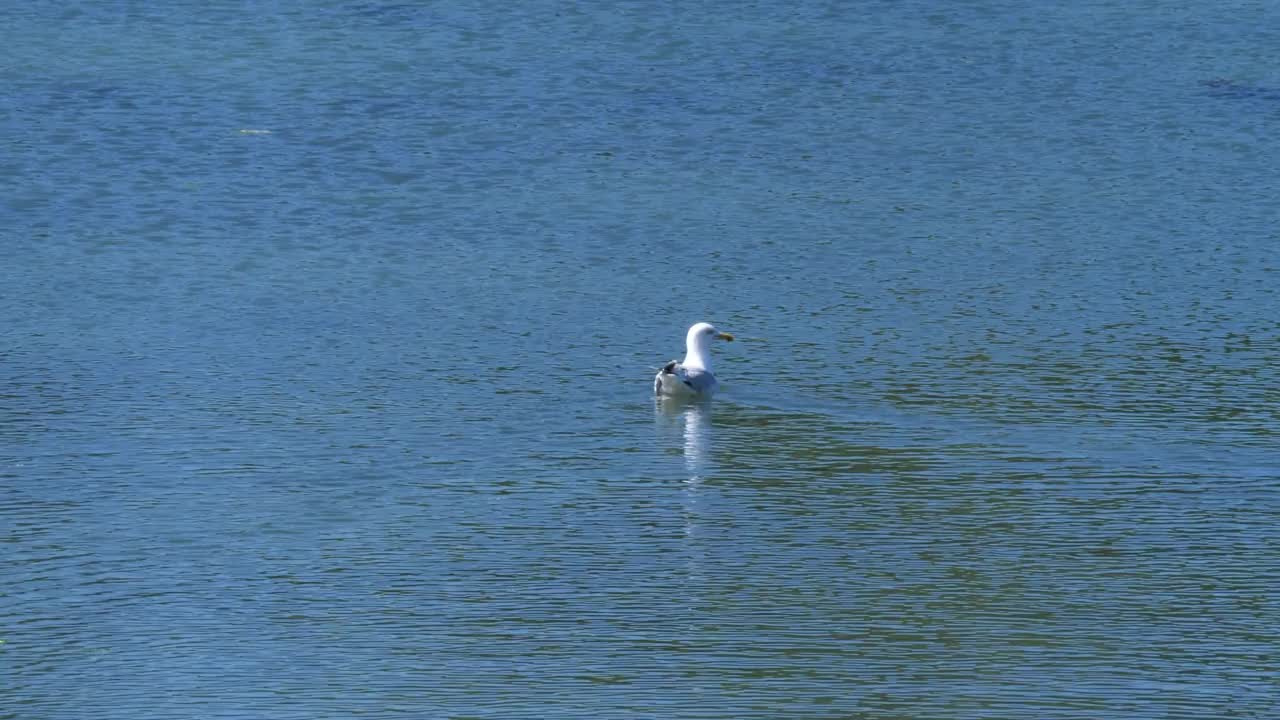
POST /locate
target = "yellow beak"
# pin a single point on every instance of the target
(725, 336)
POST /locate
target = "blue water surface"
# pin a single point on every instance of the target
(329, 331)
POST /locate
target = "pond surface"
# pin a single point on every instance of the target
(329, 334)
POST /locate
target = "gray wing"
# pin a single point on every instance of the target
(698, 380)
(676, 377)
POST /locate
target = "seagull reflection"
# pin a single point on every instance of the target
(693, 420)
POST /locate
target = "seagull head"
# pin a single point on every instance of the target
(702, 334)
(698, 342)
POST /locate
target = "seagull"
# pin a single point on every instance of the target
(691, 378)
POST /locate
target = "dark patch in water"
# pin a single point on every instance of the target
(1232, 90)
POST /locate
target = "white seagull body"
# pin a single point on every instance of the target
(691, 378)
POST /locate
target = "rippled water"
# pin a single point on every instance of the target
(330, 329)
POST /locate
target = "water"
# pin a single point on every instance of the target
(330, 328)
